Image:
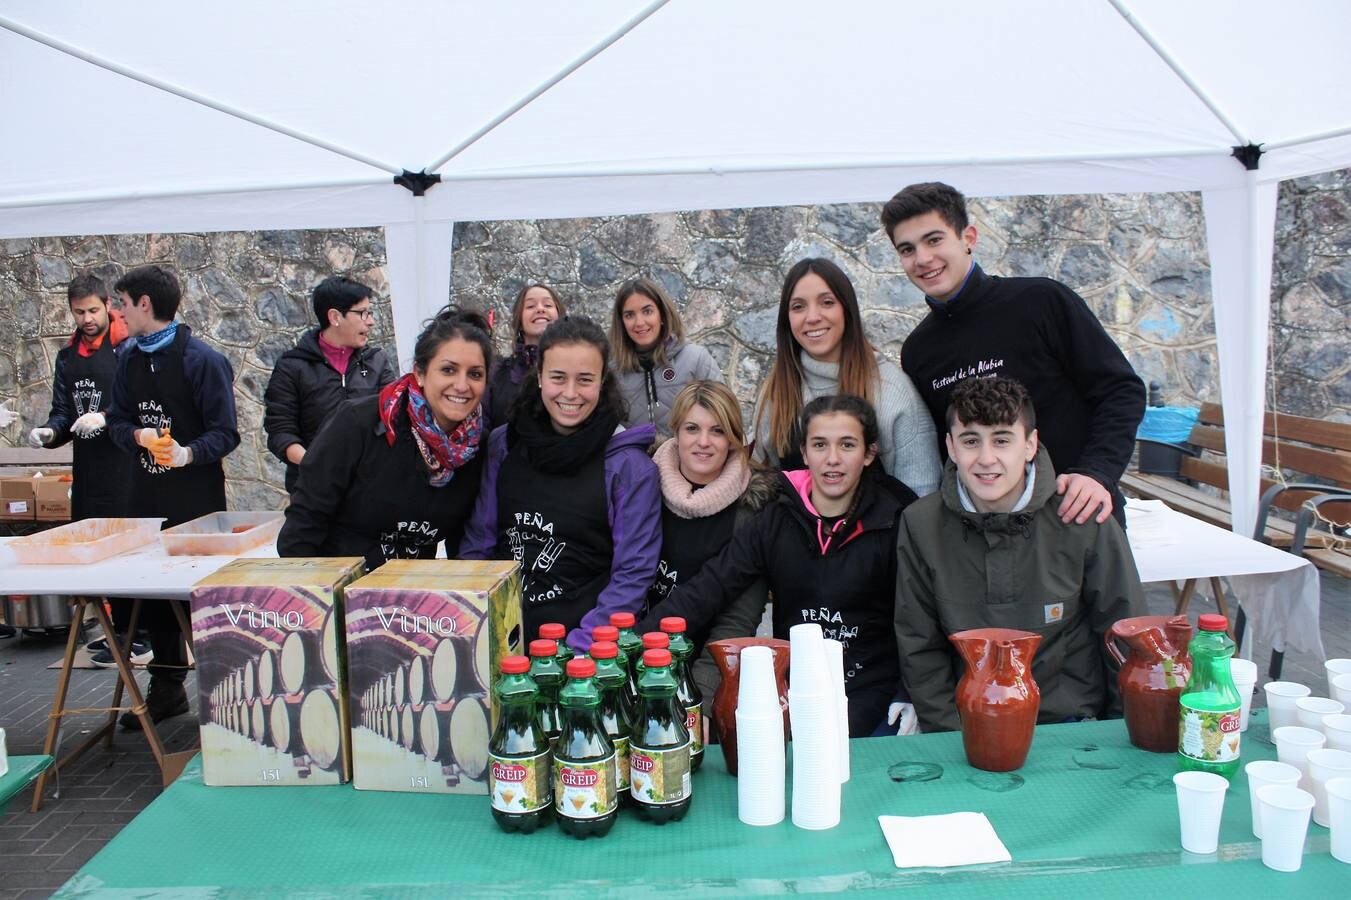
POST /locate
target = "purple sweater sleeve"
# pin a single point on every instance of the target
(480, 534)
(634, 496)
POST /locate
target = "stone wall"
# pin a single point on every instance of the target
(1139, 261)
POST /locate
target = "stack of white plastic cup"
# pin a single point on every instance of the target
(1324, 766)
(816, 743)
(1285, 823)
(1293, 744)
(1337, 730)
(1335, 668)
(835, 662)
(1245, 679)
(759, 741)
(1340, 687)
(1339, 815)
(1281, 697)
(1200, 806)
(1309, 711)
(1262, 773)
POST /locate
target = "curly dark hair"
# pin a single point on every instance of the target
(572, 330)
(989, 402)
(452, 322)
(918, 199)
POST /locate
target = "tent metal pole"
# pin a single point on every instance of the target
(192, 96)
(1307, 139)
(567, 70)
(129, 196)
(1180, 72)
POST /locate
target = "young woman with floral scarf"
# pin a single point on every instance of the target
(392, 476)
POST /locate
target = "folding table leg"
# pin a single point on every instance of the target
(59, 702)
(1183, 596)
(117, 688)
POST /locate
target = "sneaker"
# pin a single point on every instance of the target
(165, 699)
(96, 647)
(141, 654)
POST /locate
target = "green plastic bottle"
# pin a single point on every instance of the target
(653, 640)
(554, 631)
(1208, 727)
(630, 644)
(611, 633)
(659, 751)
(687, 692)
(584, 758)
(548, 676)
(520, 774)
(616, 713)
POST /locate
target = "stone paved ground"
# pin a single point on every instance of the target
(107, 788)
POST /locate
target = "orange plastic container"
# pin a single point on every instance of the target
(222, 533)
(86, 541)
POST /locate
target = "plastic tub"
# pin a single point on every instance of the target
(87, 541)
(222, 533)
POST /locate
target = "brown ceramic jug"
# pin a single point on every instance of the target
(727, 654)
(997, 700)
(1152, 677)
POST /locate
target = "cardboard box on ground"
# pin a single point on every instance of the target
(27, 495)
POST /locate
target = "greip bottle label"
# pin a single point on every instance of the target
(585, 790)
(1208, 736)
(660, 776)
(694, 723)
(519, 785)
(621, 762)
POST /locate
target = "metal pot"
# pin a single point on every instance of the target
(32, 611)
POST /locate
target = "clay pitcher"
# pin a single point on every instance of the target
(727, 654)
(1152, 676)
(997, 700)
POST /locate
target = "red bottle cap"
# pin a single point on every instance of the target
(553, 631)
(655, 659)
(673, 624)
(623, 620)
(1212, 622)
(605, 633)
(515, 665)
(581, 667)
(656, 640)
(543, 647)
(604, 650)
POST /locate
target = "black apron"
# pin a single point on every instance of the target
(558, 528)
(102, 473)
(160, 397)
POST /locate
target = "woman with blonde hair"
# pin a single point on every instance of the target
(536, 306)
(822, 351)
(652, 360)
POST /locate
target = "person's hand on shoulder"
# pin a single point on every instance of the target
(1083, 494)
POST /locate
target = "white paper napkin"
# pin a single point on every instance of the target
(955, 839)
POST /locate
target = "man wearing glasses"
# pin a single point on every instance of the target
(329, 365)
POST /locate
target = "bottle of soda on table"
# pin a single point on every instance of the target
(611, 633)
(520, 776)
(630, 644)
(548, 677)
(616, 713)
(659, 751)
(584, 758)
(653, 640)
(1209, 707)
(554, 631)
(687, 692)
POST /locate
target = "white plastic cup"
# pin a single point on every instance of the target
(1285, 823)
(1337, 729)
(762, 775)
(816, 774)
(835, 663)
(757, 690)
(1281, 697)
(1340, 688)
(1293, 744)
(1309, 711)
(1262, 773)
(1339, 815)
(1245, 679)
(1325, 765)
(1333, 668)
(1200, 805)
(807, 672)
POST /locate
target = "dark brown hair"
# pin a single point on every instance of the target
(918, 199)
(990, 402)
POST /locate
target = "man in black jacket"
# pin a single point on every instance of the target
(328, 365)
(1087, 397)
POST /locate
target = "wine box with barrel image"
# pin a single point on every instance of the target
(268, 639)
(423, 639)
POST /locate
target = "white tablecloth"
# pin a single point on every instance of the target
(1279, 591)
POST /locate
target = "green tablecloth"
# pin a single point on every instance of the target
(1088, 813)
(22, 771)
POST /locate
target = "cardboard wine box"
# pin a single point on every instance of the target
(18, 500)
(272, 698)
(424, 638)
(52, 496)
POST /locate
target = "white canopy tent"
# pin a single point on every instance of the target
(261, 115)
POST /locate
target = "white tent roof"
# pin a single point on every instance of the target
(305, 110)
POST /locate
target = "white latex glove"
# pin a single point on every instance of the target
(177, 456)
(89, 424)
(902, 715)
(39, 437)
(7, 416)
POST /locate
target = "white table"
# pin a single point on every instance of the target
(1279, 592)
(147, 573)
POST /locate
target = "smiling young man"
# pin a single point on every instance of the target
(1088, 398)
(328, 365)
(990, 550)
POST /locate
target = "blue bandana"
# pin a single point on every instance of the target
(149, 343)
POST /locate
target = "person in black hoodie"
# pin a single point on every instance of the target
(329, 364)
(536, 306)
(827, 547)
(1037, 331)
(392, 476)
